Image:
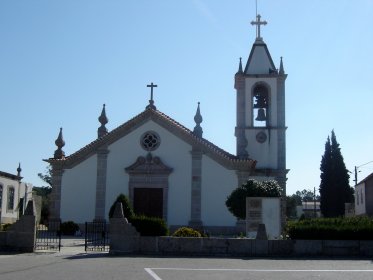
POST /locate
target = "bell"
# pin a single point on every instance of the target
(261, 115)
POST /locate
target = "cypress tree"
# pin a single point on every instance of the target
(334, 189)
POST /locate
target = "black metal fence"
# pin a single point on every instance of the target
(97, 236)
(48, 237)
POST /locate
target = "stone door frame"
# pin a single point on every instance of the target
(149, 172)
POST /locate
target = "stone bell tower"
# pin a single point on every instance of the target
(260, 124)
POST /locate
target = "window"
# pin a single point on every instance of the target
(357, 197)
(150, 141)
(1, 196)
(10, 198)
(361, 196)
(260, 106)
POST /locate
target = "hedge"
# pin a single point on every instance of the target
(349, 228)
(149, 226)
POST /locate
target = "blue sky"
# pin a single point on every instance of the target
(61, 60)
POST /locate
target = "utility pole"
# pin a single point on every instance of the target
(314, 202)
(356, 170)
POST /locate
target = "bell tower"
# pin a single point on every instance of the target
(260, 121)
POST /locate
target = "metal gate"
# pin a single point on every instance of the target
(97, 236)
(48, 237)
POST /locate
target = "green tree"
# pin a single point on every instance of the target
(334, 189)
(44, 192)
(236, 201)
(47, 176)
(291, 206)
(127, 208)
(305, 196)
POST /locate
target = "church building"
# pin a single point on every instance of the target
(170, 171)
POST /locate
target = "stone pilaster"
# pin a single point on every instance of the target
(196, 188)
(281, 138)
(281, 179)
(102, 154)
(242, 177)
(55, 201)
(241, 141)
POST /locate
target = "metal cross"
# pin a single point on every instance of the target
(151, 101)
(258, 23)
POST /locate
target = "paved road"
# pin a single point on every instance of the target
(73, 263)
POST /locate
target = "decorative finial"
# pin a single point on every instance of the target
(258, 23)
(197, 131)
(59, 153)
(102, 130)
(282, 72)
(151, 101)
(19, 169)
(240, 67)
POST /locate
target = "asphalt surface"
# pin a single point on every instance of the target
(73, 263)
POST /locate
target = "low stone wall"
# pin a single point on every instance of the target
(21, 235)
(236, 247)
(124, 239)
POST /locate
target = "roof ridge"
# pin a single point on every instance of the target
(128, 125)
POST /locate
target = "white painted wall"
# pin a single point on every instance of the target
(271, 216)
(173, 152)
(360, 208)
(21, 190)
(78, 192)
(217, 183)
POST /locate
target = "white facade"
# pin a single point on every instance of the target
(170, 171)
(360, 201)
(216, 169)
(78, 190)
(14, 195)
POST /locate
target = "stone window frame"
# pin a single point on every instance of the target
(10, 198)
(268, 109)
(361, 196)
(156, 135)
(1, 196)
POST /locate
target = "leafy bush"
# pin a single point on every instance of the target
(69, 228)
(351, 228)
(186, 232)
(146, 226)
(5, 227)
(236, 201)
(127, 208)
(149, 226)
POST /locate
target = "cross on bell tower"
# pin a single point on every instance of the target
(260, 122)
(151, 101)
(258, 23)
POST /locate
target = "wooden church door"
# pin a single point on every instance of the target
(148, 201)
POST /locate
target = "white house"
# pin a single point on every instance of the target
(14, 195)
(364, 197)
(170, 171)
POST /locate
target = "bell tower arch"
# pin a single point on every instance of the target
(260, 121)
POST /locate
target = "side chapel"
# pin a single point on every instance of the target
(170, 171)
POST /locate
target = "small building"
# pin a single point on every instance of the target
(310, 209)
(364, 197)
(14, 195)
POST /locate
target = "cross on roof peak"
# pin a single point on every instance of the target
(151, 101)
(258, 23)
